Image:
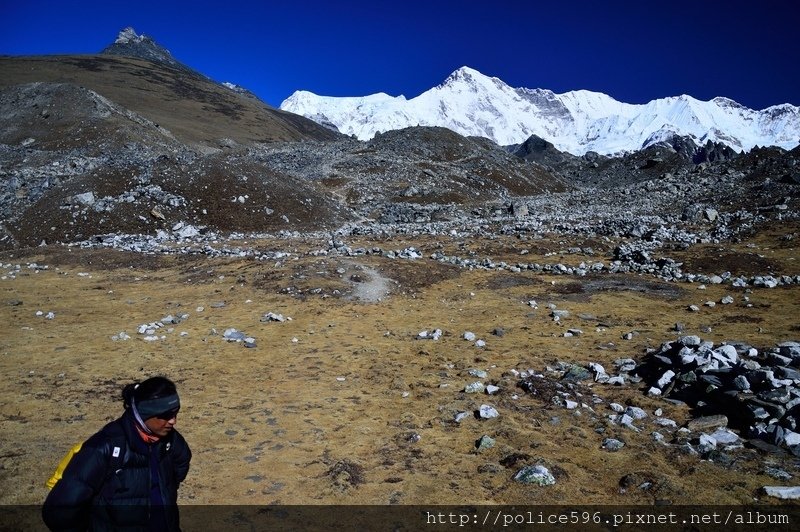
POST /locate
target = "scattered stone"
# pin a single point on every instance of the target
(612, 445)
(487, 412)
(635, 412)
(778, 473)
(535, 474)
(479, 373)
(475, 387)
(491, 389)
(707, 422)
(484, 443)
(576, 373)
(706, 444)
(271, 316)
(460, 416)
(783, 492)
(469, 336)
(426, 335)
(666, 422)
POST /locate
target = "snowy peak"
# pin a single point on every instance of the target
(579, 121)
(131, 44)
(128, 36)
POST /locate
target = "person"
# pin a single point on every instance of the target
(126, 476)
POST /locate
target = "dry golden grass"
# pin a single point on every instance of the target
(330, 418)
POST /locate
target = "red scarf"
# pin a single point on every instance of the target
(148, 438)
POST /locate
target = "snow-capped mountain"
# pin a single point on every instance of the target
(131, 44)
(473, 104)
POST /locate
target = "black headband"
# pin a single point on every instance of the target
(154, 407)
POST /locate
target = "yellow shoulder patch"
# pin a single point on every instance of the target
(62, 465)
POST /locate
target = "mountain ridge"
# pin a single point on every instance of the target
(577, 122)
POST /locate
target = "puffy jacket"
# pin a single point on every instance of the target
(107, 483)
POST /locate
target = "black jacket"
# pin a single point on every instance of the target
(107, 484)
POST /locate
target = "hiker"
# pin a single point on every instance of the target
(126, 476)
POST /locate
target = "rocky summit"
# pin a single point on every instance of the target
(396, 319)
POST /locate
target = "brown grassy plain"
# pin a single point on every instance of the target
(326, 408)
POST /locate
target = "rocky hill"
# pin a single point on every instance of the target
(117, 143)
(199, 112)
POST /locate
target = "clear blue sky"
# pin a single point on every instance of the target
(632, 50)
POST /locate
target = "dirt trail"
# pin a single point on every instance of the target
(369, 285)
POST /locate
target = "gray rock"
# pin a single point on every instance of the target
(725, 436)
(271, 316)
(783, 492)
(706, 444)
(479, 373)
(707, 422)
(741, 383)
(487, 412)
(778, 473)
(460, 416)
(232, 335)
(689, 341)
(635, 412)
(484, 443)
(475, 387)
(665, 379)
(613, 445)
(535, 474)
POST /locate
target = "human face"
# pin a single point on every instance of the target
(163, 424)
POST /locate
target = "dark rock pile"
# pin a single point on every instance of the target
(758, 391)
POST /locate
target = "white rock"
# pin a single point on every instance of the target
(666, 378)
(488, 412)
(724, 436)
(461, 416)
(635, 412)
(783, 492)
(791, 438)
(469, 336)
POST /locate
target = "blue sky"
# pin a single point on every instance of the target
(634, 51)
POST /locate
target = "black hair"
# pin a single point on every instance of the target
(152, 388)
